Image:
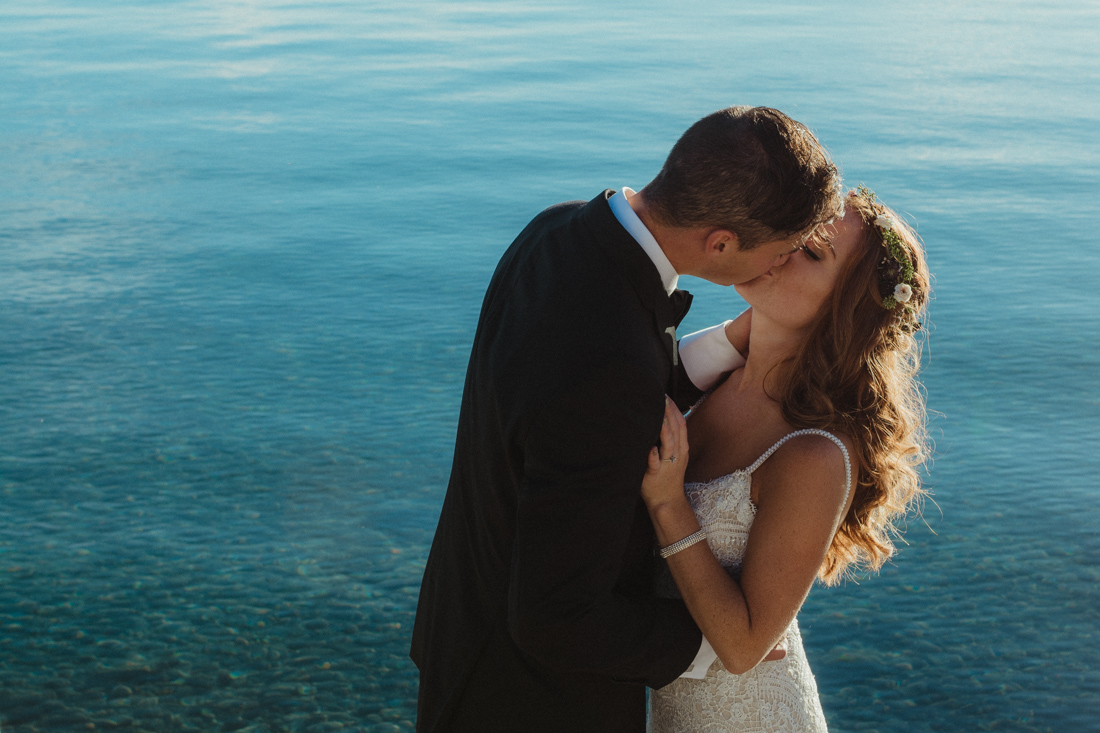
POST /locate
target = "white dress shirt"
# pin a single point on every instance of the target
(706, 354)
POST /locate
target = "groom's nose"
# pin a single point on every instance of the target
(781, 259)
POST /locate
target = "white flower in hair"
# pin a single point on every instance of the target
(885, 221)
(902, 293)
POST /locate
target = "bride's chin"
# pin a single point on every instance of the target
(750, 284)
(746, 290)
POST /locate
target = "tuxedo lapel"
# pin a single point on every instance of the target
(679, 303)
(668, 311)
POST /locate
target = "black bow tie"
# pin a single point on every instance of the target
(681, 302)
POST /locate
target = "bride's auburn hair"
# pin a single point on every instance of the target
(856, 374)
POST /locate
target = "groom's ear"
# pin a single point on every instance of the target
(721, 241)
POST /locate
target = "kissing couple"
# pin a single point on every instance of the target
(582, 554)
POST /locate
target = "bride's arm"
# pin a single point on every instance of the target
(800, 505)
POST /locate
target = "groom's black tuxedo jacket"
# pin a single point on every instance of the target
(536, 611)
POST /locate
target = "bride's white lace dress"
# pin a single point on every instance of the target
(777, 697)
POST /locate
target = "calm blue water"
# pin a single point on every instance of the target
(243, 245)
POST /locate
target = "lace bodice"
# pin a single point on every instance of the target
(777, 697)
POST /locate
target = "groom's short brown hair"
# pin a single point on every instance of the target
(752, 170)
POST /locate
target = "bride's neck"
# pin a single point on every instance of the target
(770, 345)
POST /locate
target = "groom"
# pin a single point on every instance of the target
(536, 611)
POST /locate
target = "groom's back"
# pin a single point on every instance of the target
(561, 307)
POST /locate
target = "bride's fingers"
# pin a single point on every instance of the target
(678, 423)
(679, 427)
(677, 439)
(668, 435)
(654, 460)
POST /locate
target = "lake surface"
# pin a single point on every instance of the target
(243, 245)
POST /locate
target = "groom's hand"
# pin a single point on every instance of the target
(775, 655)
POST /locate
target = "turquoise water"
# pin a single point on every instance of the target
(242, 249)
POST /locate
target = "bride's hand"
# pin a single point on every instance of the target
(663, 484)
(664, 476)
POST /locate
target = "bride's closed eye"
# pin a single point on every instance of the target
(810, 253)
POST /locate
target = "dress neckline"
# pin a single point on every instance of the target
(748, 471)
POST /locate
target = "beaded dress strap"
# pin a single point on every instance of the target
(811, 431)
(698, 402)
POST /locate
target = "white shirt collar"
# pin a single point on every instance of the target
(620, 207)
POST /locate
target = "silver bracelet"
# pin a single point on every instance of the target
(691, 539)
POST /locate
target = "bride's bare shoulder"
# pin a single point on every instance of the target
(808, 469)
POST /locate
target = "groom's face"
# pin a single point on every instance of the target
(737, 266)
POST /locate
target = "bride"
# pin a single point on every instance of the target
(799, 463)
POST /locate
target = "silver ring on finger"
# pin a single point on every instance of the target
(670, 459)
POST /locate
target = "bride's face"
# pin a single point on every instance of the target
(794, 290)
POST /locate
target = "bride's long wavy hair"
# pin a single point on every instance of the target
(856, 374)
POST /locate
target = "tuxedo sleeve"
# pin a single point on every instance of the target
(584, 459)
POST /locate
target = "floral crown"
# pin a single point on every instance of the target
(895, 269)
